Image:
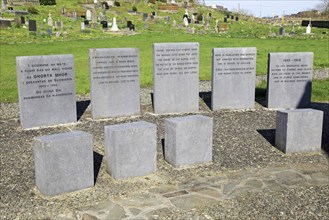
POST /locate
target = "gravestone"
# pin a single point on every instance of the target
(88, 15)
(298, 130)
(188, 140)
(5, 23)
(94, 16)
(281, 31)
(233, 78)
(63, 162)
(289, 80)
(50, 20)
(145, 15)
(104, 24)
(46, 90)
(23, 20)
(49, 32)
(129, 23)
(114, 25)
(131, 149)
(32, 25)
(176, 77)
(82, 25)
(114, 82)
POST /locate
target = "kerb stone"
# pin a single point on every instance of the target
(63, 162)
(289, 80)
(188, 140)
(130, 149)
(176, 77)
(114, 82)
(46, 89)
(233, 78)
(299, 130)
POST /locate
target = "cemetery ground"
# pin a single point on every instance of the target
(248, 179)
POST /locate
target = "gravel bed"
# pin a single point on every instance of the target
(242, 139)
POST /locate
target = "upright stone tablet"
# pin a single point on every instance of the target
(176, 77)
(188, 140)
(289, 80)
(130, 149)
(114, 82)
(46, 89)
(233, 78)
(63, 162)
(299, 130)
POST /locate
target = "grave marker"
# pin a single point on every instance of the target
(176, 77)
(233, 78)
(114, 82)
(46, 90)
(32, 25)
(289, 80)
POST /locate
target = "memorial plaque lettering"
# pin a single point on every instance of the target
(233, 78)
(46, 90)
(114, 81)
(289, 80)
(176, 77)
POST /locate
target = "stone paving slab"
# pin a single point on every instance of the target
(163, 201)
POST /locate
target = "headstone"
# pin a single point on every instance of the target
(23, 20)
(236, 18)
(46, 90)
(299, 130)
(104, 25)
(59, 24)
(17, 21)
(114, 82)
(188, 140)
(94, 17)
(132, 28)
(114, 25)
(74, 14)
(82, 25)
(289, 80)
(63, 10)
(176, 77)
(32, 25)
(50, 20)
(5, 23)
(145, 15)
(129, 23)
(232, 17)
(185, 22)
(233, 78)
(63, 162)
(86, 23)
(88, 15)
(308, 29)
(131, 149)
(58, 33)
(281, 31)
(49, 32)
(174, 23)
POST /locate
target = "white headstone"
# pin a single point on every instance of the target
(185, 22)
(114, 25)
(50, 20)
(88, 15)
(82, 25)
(309, 29)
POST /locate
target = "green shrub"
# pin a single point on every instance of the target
(47, 2)
(33, 10)
(117, 4)
(134, 8)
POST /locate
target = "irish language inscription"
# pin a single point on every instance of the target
(46, 88)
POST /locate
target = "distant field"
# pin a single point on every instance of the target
(79, 48)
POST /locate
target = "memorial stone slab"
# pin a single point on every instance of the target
(298, 130)
(63, 162)
(32, 25)
(114, 82)
(176, 77)
(88, 15)
(233, 78)
(289, 80)
(188, 140)
(131, 149)
(46, 90)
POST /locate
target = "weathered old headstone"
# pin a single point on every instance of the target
(298, 130)
(188, 140)
(114, 82)
(88, 15)
(63, 162)
(176, 77)
(289, 80)
(233, 78)
(46, 89)
(32, 25)
(131, 149)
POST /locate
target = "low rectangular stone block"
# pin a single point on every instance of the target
(114, 82)
(289, 80)
(176, 77)
(188, 140)
(130, 149)
(46, 89)
(298, 130)
(233, 78)
(63, 162)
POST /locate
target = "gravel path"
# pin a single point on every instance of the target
(242, 140)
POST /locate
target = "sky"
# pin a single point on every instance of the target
(261, 8)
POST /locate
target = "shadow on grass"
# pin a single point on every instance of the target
(81, 108)
(325, 130)
(206, 97)
(98, 158)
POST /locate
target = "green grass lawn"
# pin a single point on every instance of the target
(80, 50)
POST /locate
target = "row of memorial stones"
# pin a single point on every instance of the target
(46, 84)
(64, 162)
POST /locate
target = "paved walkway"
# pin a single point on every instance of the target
(163, 201)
